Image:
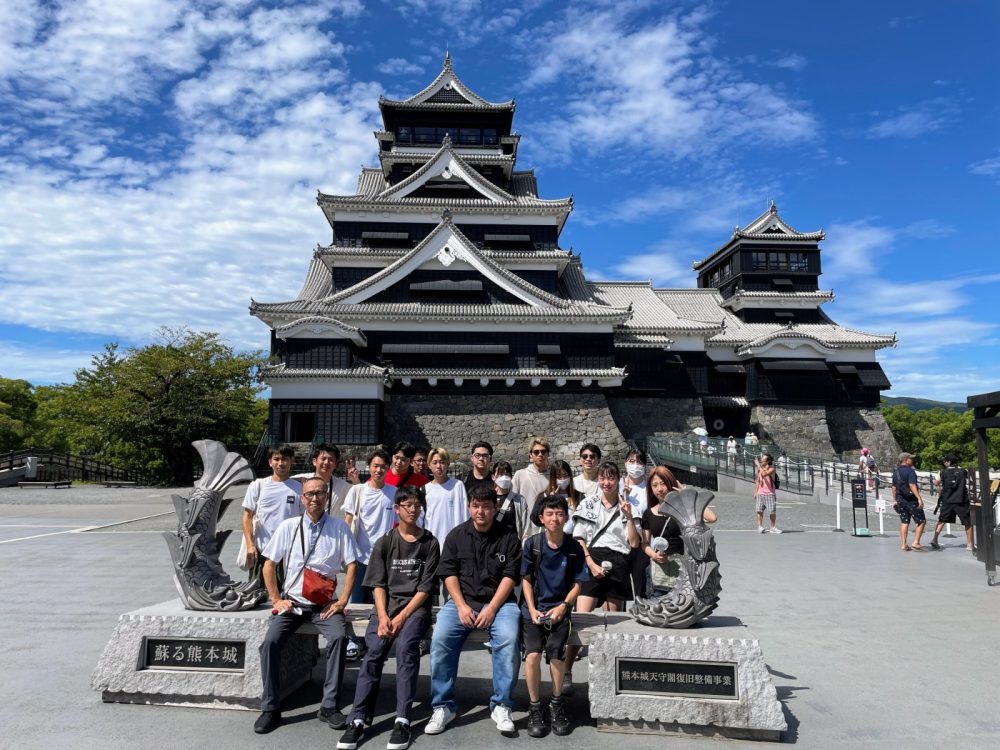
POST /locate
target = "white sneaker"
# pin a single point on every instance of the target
(502, 718)
(442, 717)
(774, 530)
(567, 688)
(761, 529)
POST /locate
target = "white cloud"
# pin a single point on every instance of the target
(651, 85)
(398, 66)
(855, 248)
(662, 267)
(123, 219)
(41, 365)
(987, 167)
(790, 62)
(926, 117)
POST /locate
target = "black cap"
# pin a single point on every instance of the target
(951, 458)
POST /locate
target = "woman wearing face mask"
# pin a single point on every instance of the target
(512, 509)
(561, 485)
(661, 535)
(633, 488)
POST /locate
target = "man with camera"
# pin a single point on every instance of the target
(314, 548)
(552, 568)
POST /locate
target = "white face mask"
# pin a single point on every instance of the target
(504, 482)
(562, 483)
(635, 471)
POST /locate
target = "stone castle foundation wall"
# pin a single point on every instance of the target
(641, 417)
(853, 428)
(507, 421)
(799, 430)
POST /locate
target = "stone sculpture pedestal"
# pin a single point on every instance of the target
(709, 681)
(171, 656)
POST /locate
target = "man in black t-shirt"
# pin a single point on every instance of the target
(402, 573)
(552, 568)
(479, 475)
(480, 565)
(953, 500)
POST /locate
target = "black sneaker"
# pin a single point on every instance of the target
(350, 739)
(400, 737)
(560, 722)
(333, 717)
(268, 721)
(537, 726)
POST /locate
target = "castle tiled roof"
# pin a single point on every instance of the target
(649, 314)
(768, 226)
(446, 91)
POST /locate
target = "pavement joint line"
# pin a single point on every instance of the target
(38, 526)
(81, 529)
(120, 523)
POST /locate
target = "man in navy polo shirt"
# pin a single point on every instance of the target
(907, 502)
(552, 568)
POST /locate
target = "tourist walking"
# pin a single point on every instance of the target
(765, 493)
(867, 467)
(313, 548)
(953, 500)
(402, 574)
(481, 565)
(552, 569)
(907, 502)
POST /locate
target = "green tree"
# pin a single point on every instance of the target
(17, 411)
(143, 407)
(930, 434)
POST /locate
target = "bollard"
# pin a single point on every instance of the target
(947, 531)
(838, 514)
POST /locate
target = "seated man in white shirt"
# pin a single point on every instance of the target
(314, 548)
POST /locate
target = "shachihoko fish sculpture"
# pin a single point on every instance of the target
(696, 594)
(201, 581)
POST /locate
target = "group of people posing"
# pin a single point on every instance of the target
(411, 537)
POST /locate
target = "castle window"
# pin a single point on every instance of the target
(403, 134)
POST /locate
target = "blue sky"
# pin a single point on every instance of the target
(159, 159)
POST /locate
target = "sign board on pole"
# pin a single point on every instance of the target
(859, 493)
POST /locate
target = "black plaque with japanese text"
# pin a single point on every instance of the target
(688, 679)
(193, 654)
(859, 494)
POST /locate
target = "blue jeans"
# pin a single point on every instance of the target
(359, 594)
(446, 648)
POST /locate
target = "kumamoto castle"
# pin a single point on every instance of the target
(445, 311)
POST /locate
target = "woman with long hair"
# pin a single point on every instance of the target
(560, 485)
(661, 535)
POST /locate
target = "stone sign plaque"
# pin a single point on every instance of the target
(192, 654)
(688, 679)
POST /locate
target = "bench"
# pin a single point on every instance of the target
(47, 485)
(585, 624)
(120, 484)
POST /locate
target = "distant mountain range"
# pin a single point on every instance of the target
(922, 404)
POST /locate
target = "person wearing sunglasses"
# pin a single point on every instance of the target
(585, 483)
(532, 481)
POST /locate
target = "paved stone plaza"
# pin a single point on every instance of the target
(868, 646)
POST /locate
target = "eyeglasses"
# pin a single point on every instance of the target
(481, 455)
(410, 506)
(588, 457)
(539, 452)
(317, 495)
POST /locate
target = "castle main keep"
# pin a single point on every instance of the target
(445, 311)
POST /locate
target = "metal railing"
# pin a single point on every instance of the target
(76, 467)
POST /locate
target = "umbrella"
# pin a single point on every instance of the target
(700, 431)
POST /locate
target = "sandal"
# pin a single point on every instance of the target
(905, 548)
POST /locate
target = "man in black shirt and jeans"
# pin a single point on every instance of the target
(402, 573)
(480, 565)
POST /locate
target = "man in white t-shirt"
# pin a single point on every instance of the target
(373, 503)
(268, 502)
(533, 480)
(446, 498)
(585, 483)
(323, 545)
(325, 460)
